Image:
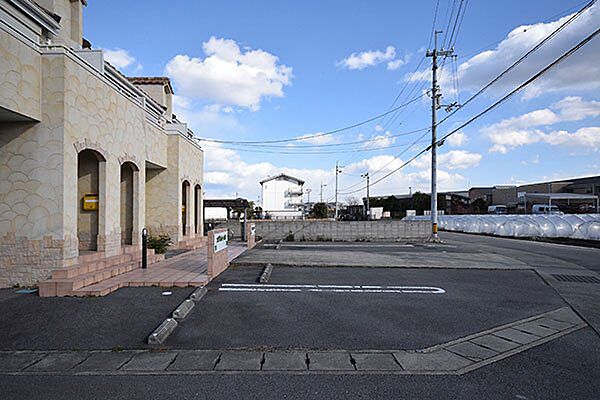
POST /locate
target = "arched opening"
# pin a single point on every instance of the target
(88, 194)
(197, 210)
(185, 190)
(127, 202)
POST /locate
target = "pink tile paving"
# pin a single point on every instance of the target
(187, 269)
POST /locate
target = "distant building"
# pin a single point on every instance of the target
(520, 198)
(282, 197)
(395, 206)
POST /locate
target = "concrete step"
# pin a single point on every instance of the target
(65, 287)
(110, 285)
(73, 278)
(90, 266)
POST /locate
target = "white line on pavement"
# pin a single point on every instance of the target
(253, 287)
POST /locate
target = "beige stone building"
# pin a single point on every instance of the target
(88, 157)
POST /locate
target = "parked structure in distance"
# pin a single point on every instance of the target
(282, 197)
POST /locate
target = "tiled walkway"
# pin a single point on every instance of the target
(187, 269)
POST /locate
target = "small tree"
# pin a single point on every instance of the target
(319, 210)
(353, 201)
(478, 206)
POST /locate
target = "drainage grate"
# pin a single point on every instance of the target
(576, 278)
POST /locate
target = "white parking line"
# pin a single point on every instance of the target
(256, 287)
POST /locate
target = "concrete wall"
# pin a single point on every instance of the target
(325, 230)
(20, 77)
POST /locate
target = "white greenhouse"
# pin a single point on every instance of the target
(574, 226)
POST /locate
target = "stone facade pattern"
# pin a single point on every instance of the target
(20, 76)
(78, 109)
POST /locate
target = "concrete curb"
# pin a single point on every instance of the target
(163, 331)
(199, 293)
(266, 274)
(183, 309)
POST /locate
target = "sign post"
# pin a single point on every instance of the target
(144, 248)
(217, 252)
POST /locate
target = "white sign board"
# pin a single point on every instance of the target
(411, 213)
(253, 229)
(220, 241)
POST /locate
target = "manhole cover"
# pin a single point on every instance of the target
(576, 278)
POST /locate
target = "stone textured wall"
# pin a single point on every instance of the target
(79, 110)
(20, 77)
(325, 230)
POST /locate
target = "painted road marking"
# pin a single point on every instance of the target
(255, 287)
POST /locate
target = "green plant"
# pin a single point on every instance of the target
(289, 237)
(159, 243)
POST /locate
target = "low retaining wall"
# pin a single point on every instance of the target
(343, 231)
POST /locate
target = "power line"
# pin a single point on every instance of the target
(318, 146)
(521, 59)
(496, 104)
(332, 132)
(308, 152)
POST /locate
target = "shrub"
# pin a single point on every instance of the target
(289, 237)
(159, 243)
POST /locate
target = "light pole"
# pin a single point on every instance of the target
(337, 172)
(322, 186)
(366, 175)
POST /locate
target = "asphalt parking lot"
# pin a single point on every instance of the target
(470, 284)
(123, 319)
(289, 313)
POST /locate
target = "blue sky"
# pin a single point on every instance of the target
(253, 71)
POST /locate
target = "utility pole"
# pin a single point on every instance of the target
(337, 172)
(435, 105)
(366, 175)
(322, 186)
(308, 190)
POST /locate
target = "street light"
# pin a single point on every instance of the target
(366, 175)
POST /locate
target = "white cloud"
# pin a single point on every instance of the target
(383, 163)
(454, 159)
(582, 137)
(227, 173)
(368, 58)
(525, 129)
(317, 140)
(212, 120)
(230, 76)
(580, 72)
(119, 58)
(394, 65)
(380, 141)
(457, 139)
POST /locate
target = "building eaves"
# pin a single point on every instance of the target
(38, 14)
(285, 176)
(152, 80)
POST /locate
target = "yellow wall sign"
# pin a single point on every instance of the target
(90, 202)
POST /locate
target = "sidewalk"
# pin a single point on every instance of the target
(187, 269)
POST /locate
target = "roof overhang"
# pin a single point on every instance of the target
(561, 196)
(37, 14)
(288, 177)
